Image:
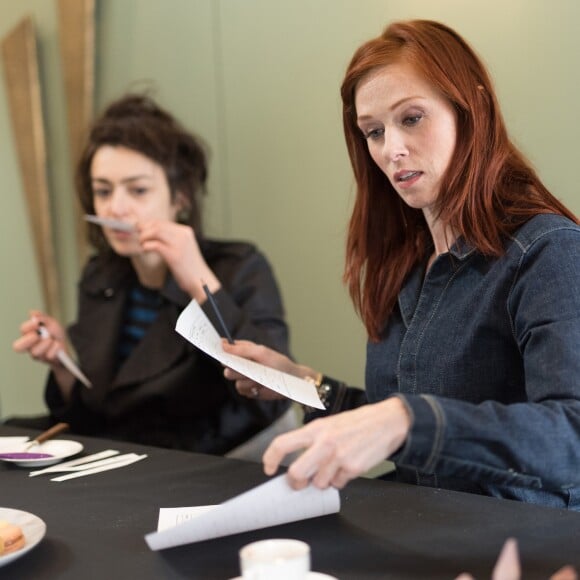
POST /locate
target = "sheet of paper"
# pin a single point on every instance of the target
(67, 361)
(195, 326)
(129, 458)
(171, 517)
(269, 504)
(111, 223)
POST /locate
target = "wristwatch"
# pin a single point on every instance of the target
(324, 390)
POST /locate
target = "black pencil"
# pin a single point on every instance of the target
(217, 313)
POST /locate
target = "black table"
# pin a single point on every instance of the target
(96, 524)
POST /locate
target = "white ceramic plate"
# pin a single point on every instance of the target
(33, 529)
(58, 448)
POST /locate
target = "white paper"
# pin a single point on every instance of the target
(171, 517)
(67, 361)
(111, 223)
(127, 460)
(87, 460)
(270, 504)
(194, 326)
(70, 364)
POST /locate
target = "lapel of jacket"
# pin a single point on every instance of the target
(102, 293)
(102, 300)
(161, 347)
(159, 350)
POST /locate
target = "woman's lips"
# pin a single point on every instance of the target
(119, 234)
(407, 178)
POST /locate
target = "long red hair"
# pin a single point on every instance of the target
(488, 191)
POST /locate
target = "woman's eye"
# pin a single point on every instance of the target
(138, 190)
(101, 192)
(373, 134)
(411, 120)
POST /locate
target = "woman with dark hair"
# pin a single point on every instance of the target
(466, 272)
(149, 385)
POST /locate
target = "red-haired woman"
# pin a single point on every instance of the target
(466, 272)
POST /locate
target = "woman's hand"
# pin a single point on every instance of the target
(268, 357)
(508, 566)
(177, 245)
(341, 447)
(44, 346)
(39, 347)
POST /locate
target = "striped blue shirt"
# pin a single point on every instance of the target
(140, 312)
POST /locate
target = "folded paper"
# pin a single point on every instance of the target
(194, 326)
(270, 504)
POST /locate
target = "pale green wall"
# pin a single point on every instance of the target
(259, 80)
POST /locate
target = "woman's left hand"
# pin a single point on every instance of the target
(341, 447)
(177, 245)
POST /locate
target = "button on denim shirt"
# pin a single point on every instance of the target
(485, 353)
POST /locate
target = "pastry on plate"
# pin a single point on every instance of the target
(11, 538)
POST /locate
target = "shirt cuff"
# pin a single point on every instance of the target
(425, 440)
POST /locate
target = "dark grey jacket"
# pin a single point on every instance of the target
(168, 393)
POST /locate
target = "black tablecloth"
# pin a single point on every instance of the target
(96, 524)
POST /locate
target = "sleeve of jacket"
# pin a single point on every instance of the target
(250, 301)
(73, 411)
(533, 443)
(251, 305)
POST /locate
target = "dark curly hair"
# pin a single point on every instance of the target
(137, 122)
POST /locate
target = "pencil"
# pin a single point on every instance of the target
(217, 312)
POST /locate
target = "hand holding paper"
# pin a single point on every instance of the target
(194, 325)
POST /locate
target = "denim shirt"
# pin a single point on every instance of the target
(485, 354)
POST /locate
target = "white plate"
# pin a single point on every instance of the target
(33, 529)
(311, 576)
(58, 448)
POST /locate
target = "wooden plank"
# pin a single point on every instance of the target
(19, 54)
(77, 48)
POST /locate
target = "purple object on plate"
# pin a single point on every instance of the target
(22, 455)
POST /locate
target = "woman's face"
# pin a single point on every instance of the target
(410, 129)
(130, 187)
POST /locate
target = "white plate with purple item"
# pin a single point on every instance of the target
(47, 453)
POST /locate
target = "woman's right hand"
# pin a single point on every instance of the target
(44, 346)
(268, 357)
(177, 244)
(41, 348)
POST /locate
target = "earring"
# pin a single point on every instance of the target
(183, 216)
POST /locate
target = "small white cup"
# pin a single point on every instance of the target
(281, 559)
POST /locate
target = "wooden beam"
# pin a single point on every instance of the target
(19, 54)
(77, 49)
